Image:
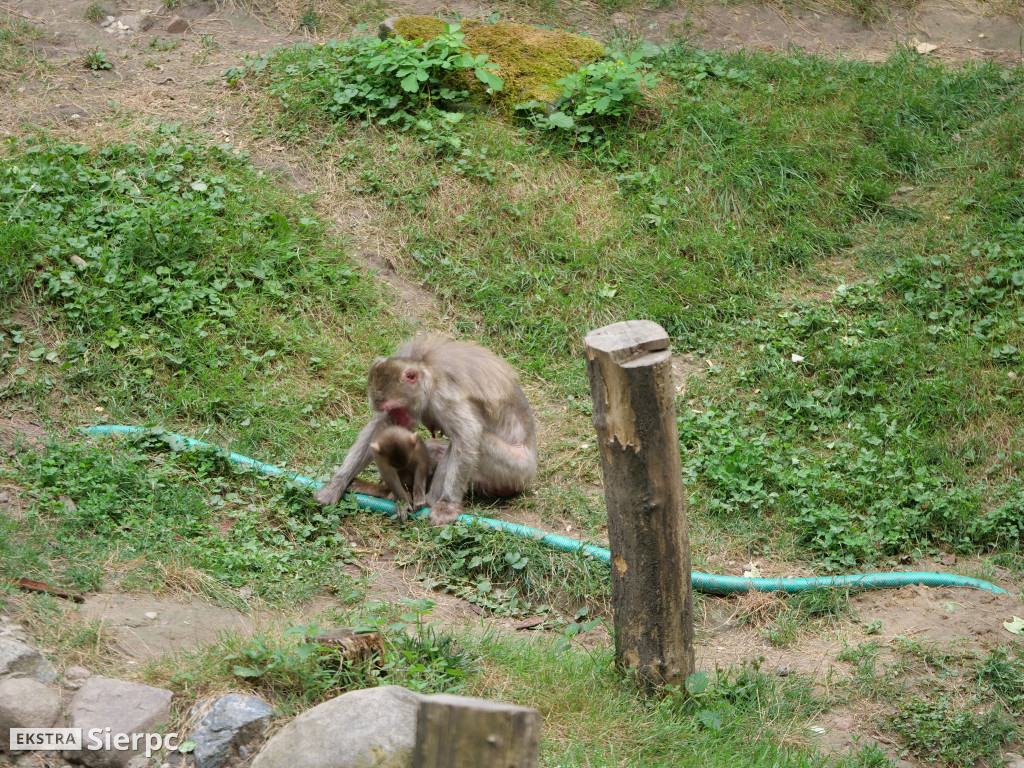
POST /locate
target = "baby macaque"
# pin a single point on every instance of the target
(405, 465)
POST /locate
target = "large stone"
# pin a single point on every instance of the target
(19, 660)
(124, 708)
(137, 22)
(371, 728)
(12, 630)
(177, 25)
(228, 730)
(25, 703)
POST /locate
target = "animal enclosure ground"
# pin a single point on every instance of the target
(769, 202)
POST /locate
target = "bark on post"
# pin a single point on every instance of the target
(462, 732)
(630, 370)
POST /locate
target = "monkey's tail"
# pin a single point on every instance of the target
(702, 582)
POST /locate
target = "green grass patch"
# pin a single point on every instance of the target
(839, 415)
(508, 575)
(178, 284)
(185, 510)
(593, 716)
(15, 57)
(296, 670)
(945, 704)
(937, 730)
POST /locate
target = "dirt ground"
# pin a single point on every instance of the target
(169, 69)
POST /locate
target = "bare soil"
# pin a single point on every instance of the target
(175, 76)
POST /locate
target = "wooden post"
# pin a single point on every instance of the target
(462, 732)
(630, 370)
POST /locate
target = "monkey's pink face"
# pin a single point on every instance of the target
(396, 388)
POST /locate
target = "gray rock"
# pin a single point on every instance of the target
(125, 708)
(1013, 760)
(75, 676)
(229, 728)
(137, 22)
(12, 630)
(386, 28)
(371, 728)
(178, 25)
(19, 660)
(25, 703)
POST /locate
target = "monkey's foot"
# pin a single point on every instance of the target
(444, 512)
(369, 489)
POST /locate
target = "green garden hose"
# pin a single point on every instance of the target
(702, 582)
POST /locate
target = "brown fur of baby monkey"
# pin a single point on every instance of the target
(405, 465)
(465, 392)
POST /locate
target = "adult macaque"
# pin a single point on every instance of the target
(405, 465)
(465, 392)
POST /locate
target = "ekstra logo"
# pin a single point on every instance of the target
(27, 739)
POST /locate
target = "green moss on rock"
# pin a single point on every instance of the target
(419, 27)
(531, 60)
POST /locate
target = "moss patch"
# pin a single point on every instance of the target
(420, 27)
(532, 60)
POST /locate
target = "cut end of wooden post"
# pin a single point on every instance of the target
(462, 732)
(628, 341)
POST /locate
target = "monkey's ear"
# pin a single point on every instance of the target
(375, 447)
(413, 437)
(410, 375)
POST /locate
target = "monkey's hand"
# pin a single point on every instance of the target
(329, 494)
(402, 511)
(356, 460)
(444, 512)
(419, 501)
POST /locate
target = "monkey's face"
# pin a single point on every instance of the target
(396, 387)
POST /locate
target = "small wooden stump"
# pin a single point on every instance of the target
(630, 370)
(462, 732)
(352, 645)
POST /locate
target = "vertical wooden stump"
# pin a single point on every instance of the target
(630, 370)
(462, 732)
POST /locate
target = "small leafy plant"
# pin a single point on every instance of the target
(97, 59)
(937, 730)
(595, 95)
(95, 13)
(428, 659)
(503, 574)
(411, 84)
(311, 21)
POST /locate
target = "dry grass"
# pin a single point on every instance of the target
(58, 625)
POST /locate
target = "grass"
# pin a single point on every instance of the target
(174, 290)
(592, 716)
(15, 57)
(846, 269)
(934, 702)
(183, 510)
(741, 175)
(506, 574)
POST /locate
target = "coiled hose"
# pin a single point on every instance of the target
(702, 582)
